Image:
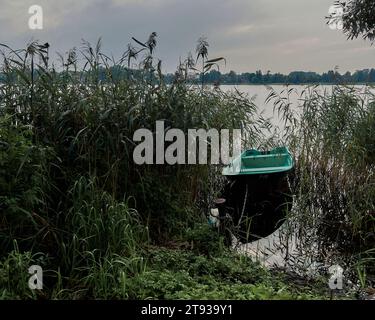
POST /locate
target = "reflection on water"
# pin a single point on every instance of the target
(268, 250)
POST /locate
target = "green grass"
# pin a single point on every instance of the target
(159, 273)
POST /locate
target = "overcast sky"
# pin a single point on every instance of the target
(275, 35)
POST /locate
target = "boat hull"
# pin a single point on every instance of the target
(257, 204)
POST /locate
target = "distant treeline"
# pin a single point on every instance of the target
(295, 77)
(216, 77)
(258, 77)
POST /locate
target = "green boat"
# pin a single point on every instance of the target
(257, 194)
(255, 162)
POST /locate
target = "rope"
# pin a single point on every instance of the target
(243, 208)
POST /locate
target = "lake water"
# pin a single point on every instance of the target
(259, 93)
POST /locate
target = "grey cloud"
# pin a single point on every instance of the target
(259, 34)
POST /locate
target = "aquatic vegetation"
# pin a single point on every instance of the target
(332, 136)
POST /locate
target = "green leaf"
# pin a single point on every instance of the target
(139, 42)
(216, 60)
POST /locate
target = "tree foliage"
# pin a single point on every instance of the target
(358, 18)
